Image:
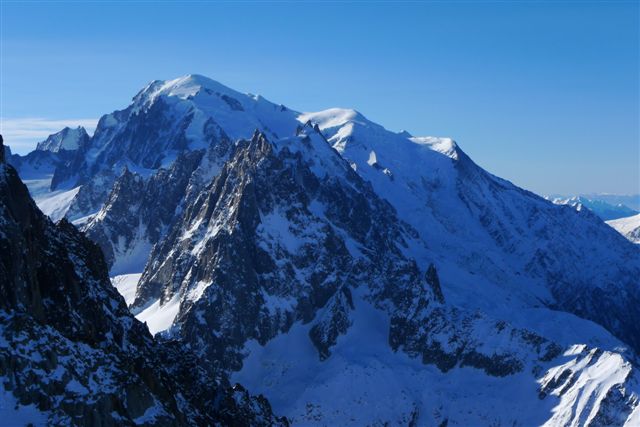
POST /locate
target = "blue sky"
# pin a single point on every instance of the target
(543, 94)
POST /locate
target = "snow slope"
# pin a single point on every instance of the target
(629, 227)
(55, 204)
(491, 239)
(366, 383)
(159, 316)
(126, 285)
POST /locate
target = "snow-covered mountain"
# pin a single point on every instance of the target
(629, 227)
(67, 139)
(37, 169)
(606, 211)
(354, 275)
(630, 200)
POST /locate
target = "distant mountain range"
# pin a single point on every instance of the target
(349, 274)
(619, 216)
(630, 200)
(607, 207)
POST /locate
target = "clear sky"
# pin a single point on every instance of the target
(545, 94)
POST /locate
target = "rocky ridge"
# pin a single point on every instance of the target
(70, 351)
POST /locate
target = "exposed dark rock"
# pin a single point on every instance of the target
(246, 275)
(432, 279)
(232, 102)
(69, 345)
(333, 321)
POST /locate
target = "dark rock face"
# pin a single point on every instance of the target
(274, 239)
(500, 351)
(600, 303)
(30, 280)
(91, 195)
(237, 258)
(332, 323)
(138, 212)
(123, 219)
(434, 282)
(69, 345)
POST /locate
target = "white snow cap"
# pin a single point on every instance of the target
(183, 87)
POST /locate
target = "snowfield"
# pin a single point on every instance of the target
(126, 285)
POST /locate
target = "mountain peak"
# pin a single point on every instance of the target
(183, 87)
(66, 139)
(334, 117)
(191, 80)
